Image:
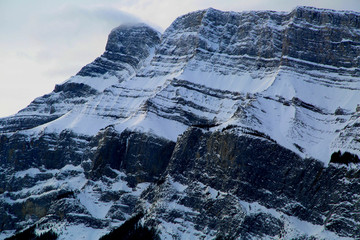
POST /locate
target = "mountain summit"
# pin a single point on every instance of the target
(227, 125)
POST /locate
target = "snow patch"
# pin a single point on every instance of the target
(90, 200)
(31, 172)
(294, 227)
(80, 232)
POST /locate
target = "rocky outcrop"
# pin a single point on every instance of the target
(306, 42)
(126, 48)
(220, 175)
(18, 152)
(143, 157)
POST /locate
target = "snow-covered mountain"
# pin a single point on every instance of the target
(222, 126)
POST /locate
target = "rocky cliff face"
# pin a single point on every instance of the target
(221, 127)
(240, 186)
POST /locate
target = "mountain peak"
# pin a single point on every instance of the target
(127, 44)
(128, 37)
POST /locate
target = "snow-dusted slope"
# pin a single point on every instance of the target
(128, 48)
(283, 74)
(252, 69)
(290, 79)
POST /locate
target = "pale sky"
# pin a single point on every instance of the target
(44, 42)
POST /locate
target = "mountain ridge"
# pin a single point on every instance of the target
(166, 124)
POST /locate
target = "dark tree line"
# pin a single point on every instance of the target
(345, 158)
(29, 234)
(132, 230)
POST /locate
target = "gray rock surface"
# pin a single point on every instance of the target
(256, 170)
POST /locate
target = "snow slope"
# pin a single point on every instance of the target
(228, 68)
